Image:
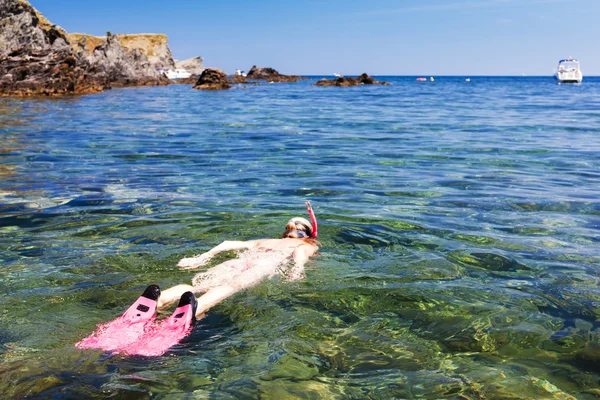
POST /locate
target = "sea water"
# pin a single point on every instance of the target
(459, 225)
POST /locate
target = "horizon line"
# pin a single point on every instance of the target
(441, 75)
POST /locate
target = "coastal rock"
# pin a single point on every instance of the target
(270, 75)
(187, 81)
(241, 80)
(46, 73)
(343, 81)
(192, 65)
(212, 79)
(117, 64)
(23, 27)
(40, 58)
(153, 45)
(238, 79)
(36, 58)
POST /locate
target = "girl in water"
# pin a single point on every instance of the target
(135, 332)
(260, 259)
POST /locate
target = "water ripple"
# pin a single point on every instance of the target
(459, 227)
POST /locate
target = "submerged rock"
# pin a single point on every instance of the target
(343, 81)
(270, 75)
(212, 79)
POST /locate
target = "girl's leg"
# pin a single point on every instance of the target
(173, 294)
(213, 297)
(219, 293)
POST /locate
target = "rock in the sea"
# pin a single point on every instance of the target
(270, 75)
(153, 45)
(39, 58)
(212, 79)
(46, 73)
(187, 81)
(23, 27)
(117, 64)
(36, 58)
(238, 79)
(364, 79)
(192, 65)
(241, 80)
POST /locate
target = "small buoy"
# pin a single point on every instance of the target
(431, 79)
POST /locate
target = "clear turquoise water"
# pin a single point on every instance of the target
(459, 225)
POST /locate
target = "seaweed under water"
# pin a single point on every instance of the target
(458, 229)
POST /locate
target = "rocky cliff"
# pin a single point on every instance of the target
(36, 58)
(153, 45)
(115, 62)
(23, 27)
(39, 58)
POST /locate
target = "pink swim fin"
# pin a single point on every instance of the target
(165, 334)
(128, 327)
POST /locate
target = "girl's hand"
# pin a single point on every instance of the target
(194, 262)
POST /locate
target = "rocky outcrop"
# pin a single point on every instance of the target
(192, 80)
(364, 79)
(46, 73)
(35, 56)
(117, 64)
(23, 27)
(270, 75)
(241, 80)
(238, 79)
(39, 58)
(153, 45)
(192, 65)
(212, 79)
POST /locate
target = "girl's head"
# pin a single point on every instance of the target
(298, 228)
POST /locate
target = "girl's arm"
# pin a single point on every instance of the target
(301, 255)
(198, 261)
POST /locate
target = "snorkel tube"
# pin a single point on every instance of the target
(313, 219)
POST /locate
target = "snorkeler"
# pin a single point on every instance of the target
(260, 259)
(136, 333)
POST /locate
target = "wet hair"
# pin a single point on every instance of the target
(298, 228)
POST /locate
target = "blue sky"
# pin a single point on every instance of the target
(380, 37)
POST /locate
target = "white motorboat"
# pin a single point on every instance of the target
(568, 71)
(175, 74)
